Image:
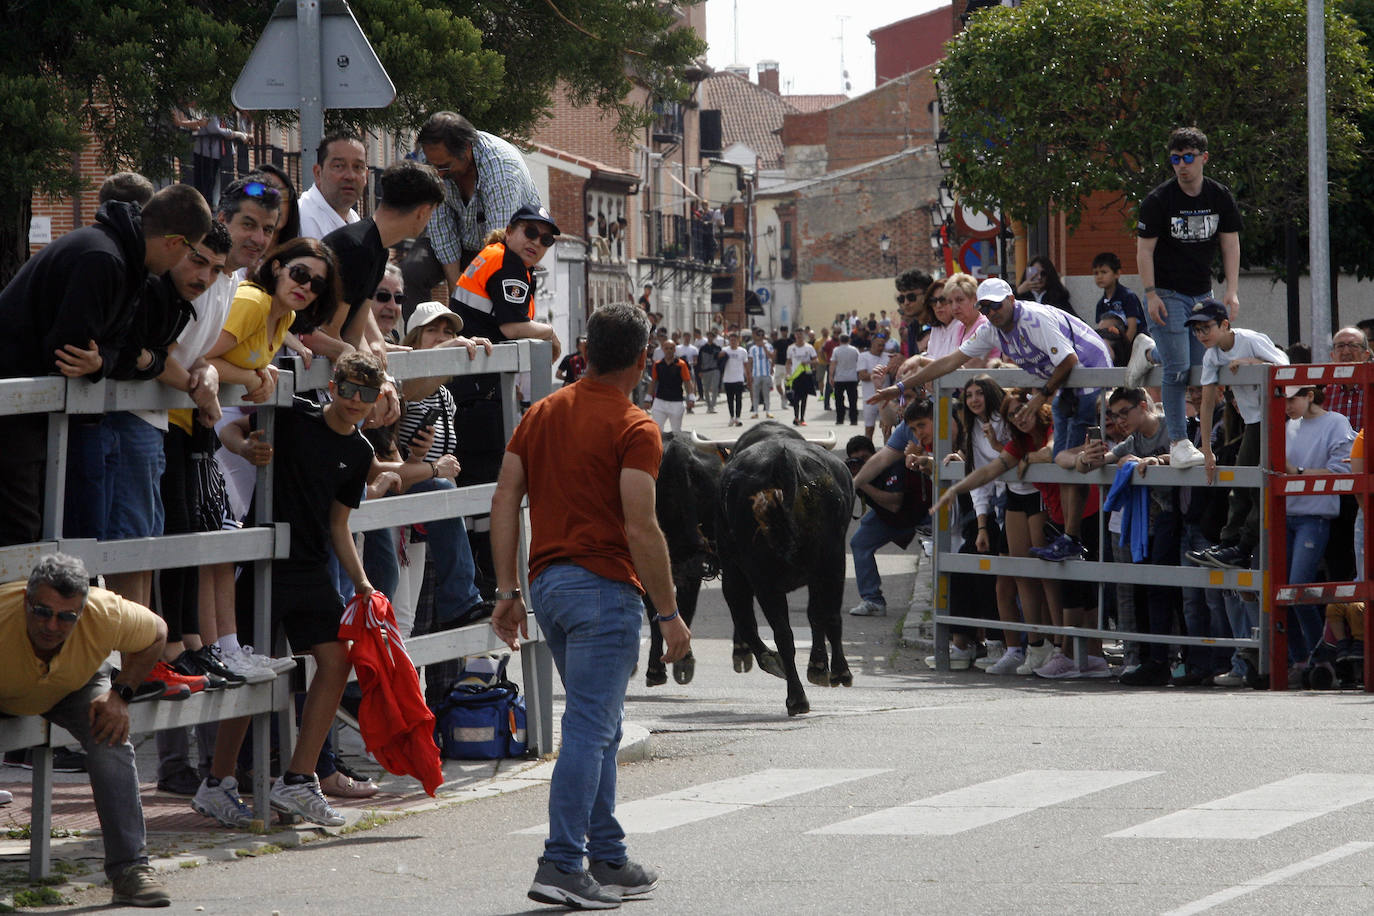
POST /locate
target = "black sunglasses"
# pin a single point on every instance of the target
(47, 613)
(261, 190)
(989, 305)
(301, 274)
(545, 238)
(368, 393)
(386, 295)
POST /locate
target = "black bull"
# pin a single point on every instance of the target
(773, 519)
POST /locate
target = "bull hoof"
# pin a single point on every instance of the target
(771, 663)
(842, 679)
(798, 707)
(655, 676)
(684, 669)
(743, 660)
(818, 675)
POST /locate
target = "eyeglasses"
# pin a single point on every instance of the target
(367, 393)
(261, 190)
(532, 233)
(1204, 327)
(301, 274)
(386, 295)
(182, 239)
(1176, 158)
(1121, 414)
(1349, 345)
(47, 613)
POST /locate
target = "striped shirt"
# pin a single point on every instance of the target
(761, 359)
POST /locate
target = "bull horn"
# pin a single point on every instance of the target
(711, 445)
(827, 443)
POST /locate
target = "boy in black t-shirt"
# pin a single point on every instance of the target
(322, 465)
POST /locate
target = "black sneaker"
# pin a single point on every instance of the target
(23, 759)
(1193, 678)
(209, 663)
(579, 890)
(1234, 557)
(68, 761)
(1149, 674)
(1203, 555)
(184, 781)
(186, 663)
(629, 879)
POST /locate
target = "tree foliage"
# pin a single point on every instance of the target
(116, 68)
(1055, 99)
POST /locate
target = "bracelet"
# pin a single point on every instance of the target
(1149, 289)
(673, 616)
(434, 470)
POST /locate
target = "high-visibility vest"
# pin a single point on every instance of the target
(472, 285)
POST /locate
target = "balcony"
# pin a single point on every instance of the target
(672, 237)
(668, 119)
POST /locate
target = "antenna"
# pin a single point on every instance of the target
(735, 29)
(844, 71)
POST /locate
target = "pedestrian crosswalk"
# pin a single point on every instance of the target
(1246, 815)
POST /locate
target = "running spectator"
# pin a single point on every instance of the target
(69, 309)
(486, 183)
(708, 370)
(735, 360)
(801, 378)
(670, 386)
(844, 371)
(340, 173)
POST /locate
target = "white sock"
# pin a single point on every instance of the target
(228, 643)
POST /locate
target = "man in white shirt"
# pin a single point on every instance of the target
(872, 365)
(844, 372)
(689, 352)
(340, 172)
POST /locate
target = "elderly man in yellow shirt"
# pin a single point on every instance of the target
(55, 634)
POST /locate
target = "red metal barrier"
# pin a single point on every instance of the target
(1279, 594)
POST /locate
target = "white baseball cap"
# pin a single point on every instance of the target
(426, 312)
(994, 289)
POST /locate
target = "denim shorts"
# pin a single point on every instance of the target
(134, 483)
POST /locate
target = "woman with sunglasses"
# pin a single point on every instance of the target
(388, 303)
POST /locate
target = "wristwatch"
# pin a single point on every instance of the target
(125, 692)
(507, 596)
(1047, 391)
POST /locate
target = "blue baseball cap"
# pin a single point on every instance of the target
(1208, 309)
(534, 215)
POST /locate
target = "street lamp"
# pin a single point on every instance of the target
(884, 246)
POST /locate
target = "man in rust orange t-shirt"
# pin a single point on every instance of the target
(588, 459)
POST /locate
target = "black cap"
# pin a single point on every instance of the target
(1208, 309)
(534, 215)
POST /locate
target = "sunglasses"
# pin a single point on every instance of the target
(47, 613)
(989, 305)
(182, 239)
(907, 297)
(301, 274)
(261, 190)
(385, 295)
(545, 238)
(347, 390)
(1176, 158)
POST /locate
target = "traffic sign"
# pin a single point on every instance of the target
(764, 294)
(351, 76)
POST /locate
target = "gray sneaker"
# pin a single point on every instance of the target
(866, 608)
(305, 800)
(222, 802)
(578, 890)
(628, 880)
(138, 885)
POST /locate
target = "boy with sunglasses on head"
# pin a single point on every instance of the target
(1183, 223)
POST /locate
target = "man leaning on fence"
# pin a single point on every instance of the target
(596, 550)
(55, 634)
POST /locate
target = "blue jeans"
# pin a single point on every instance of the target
(1071, 431)
(135, 488)
(92, 452)
(873, 533)
(1243, 616)
(1307, 536)
(592, 626)
(1178, 351)
(113, 776)
(380, 564)
(1204, 611)
(455, 573)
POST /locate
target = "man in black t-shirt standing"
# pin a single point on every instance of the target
(1183, 223)
(780, 345)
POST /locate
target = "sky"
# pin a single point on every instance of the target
(803, 36)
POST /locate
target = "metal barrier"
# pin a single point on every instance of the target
(259, 544)
(1283, 485)
(1100, 571)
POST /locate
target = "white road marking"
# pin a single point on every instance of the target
(985, 803)
(1260, 811)
(1273, 877)
(711, 799)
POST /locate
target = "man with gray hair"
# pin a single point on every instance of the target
(55, 634)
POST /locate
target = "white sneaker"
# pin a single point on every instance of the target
(244, 666)
(995, 652)
(1185, 454)
(6, 797)
(1059, 667)
(866, 608)
(222, 802)
(1229, 679)
(1010, 661)
(1094, 666)
(1140, 363)
(305, 800)
(959, 659)
(1036, 657)
(275, 665)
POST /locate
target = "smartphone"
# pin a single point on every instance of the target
(1094, 434)
(430, 418)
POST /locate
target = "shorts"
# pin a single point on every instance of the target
(779, 375)
(1028, 503)
(871, 414)
(134, 484)
(306, 605)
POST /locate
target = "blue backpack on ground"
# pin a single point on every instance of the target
(483, 716)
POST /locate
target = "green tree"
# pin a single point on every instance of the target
(118, 69)
(1055, 99)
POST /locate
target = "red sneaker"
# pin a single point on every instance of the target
(175, 680)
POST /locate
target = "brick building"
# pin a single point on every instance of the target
(911, 44)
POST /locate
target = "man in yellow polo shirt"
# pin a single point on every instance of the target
(55, 634)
